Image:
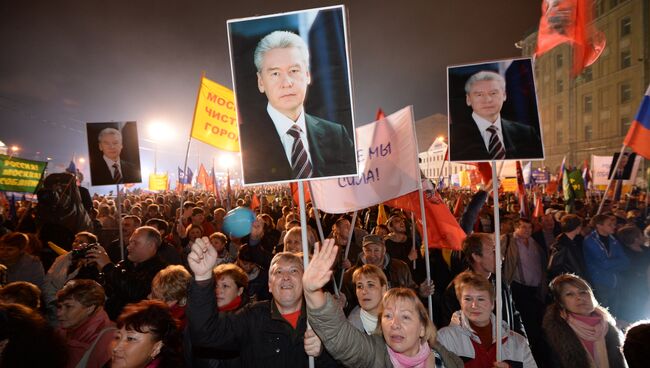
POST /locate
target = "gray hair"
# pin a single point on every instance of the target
(109, 131)
(294, 258)
(278, 40)
(485, 76)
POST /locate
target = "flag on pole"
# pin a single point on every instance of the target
(524, 210)
(380, 114)
(443, 230)
(255, 202)
(215, 117)
(294, 192)
(539, 207)
(388, 167)
(202, 178)
(586, 175)
(527, 173)
(382, 217)
(638, 136)
(215, 185)
(560, 175)
(459, 206)
(72, 168)
(570, 21)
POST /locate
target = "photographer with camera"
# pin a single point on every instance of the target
(69, 266)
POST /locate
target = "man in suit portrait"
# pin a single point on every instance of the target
(284, 142)
(487, 135)
(110, 168)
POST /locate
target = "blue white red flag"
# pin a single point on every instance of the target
(638, 136)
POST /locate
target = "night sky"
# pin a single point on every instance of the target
(65, 63)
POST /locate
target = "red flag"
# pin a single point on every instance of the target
(294, 192)
(459, 206)
(255, 202)
(551, 187)
(443, 230)
(524, 211)
(215, 185)
(539, 207)
(380, 114)
(570, 21)
(203, 177)
(484, 168)
(586, 175)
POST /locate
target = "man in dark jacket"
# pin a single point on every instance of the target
(130, 280)
(566, 252)
(271, 333)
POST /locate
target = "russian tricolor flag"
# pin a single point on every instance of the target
(638, 137)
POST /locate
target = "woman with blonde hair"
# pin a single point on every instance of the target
(370, 285)
(579, 332)
(406, 336)
(170, 286)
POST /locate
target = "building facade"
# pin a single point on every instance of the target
(591, 114)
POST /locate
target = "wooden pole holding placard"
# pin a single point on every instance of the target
(497, 251)
(305, 247)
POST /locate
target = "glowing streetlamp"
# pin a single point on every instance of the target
(159, 131)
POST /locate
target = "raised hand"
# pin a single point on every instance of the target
(202, 259)
(319, 271)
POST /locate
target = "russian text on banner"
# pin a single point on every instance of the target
(215, 118)
(20, 175)
(638, 137)
(386, 152)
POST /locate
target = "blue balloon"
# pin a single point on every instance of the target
(238, 222)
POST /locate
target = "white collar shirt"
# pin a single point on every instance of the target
(283, 124)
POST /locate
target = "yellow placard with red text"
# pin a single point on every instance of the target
(215, 118)
(158, 182)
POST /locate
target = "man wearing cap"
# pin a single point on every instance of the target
(396, 271)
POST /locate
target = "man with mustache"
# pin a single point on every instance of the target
(488, 136)
(286, 143)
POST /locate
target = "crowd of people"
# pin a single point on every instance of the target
(156, 281)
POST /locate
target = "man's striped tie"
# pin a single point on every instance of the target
(496, 150)
(117, 175)
(299, 160)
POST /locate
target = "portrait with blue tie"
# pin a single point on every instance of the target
(279, 140)
(488, 121)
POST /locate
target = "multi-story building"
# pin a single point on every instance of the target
(591, 114)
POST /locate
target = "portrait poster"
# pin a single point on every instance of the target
(493, 112)
(114, 153)
(626, 168)
(291, 74)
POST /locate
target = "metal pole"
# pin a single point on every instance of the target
(347, 246)
(119, 221)
(305, 248)
(497, 250)
(611, 180)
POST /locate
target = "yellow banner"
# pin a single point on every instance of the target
(158, 182)
(509, 184)
(215, 118)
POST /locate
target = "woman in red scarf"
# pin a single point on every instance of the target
(579, 331)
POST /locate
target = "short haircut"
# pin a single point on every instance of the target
(233, 271)
(21, 292)
(287, 257)
(15, 239)
(473, 244)
(570, 222)
(475, 281)
(87, 292)
(188, 204)
(171, 283)
(485, 76)
(159, 224)
(134, 218)
(92, 238)
(600, 219)
(628, 234)
(197, 211)
(220, 236)
(637, 342)
(109, 131)
(280, 40)
(521, 221)
(406, 294)
(370, 270)
(151, 234)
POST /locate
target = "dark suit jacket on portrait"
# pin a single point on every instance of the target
(264, 159)
(101, 174)
(521, 141)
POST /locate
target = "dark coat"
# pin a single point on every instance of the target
(521, 141)
(330, 147)
(101, 174)
(566, 257)
(262, 336)
(566, 349)
(128, 283)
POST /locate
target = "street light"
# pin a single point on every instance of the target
(159, 131)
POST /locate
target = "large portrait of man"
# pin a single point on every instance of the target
(292, 87)
(493, 112)
(625, 167)
(114, 153)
